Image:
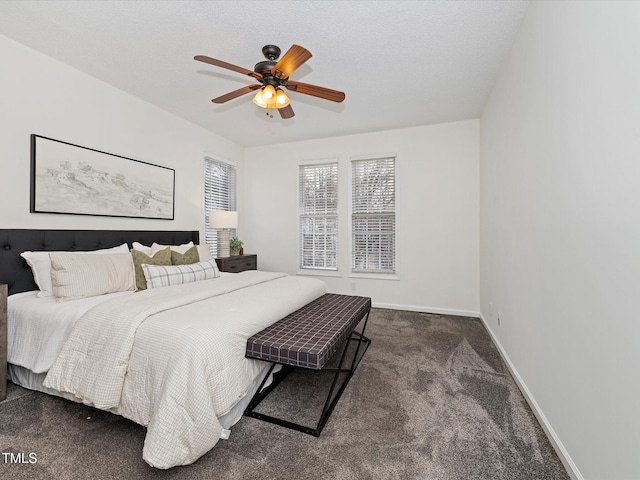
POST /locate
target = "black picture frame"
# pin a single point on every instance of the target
(74, 180)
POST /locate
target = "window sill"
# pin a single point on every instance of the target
(376, 276)
(319, 273)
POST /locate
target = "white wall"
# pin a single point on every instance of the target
(43, 96)
(437, 212)
(560, 236)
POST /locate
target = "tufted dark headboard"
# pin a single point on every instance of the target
(15, 272)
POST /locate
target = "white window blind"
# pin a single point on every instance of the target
(318, 209)
(373, 221)
(219, 194)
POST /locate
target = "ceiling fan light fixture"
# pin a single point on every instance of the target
(281, 99)
(269, 97)
(269, 94)
(259, 100)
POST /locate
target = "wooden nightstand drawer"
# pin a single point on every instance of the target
(237, 263)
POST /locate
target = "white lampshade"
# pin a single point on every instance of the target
(223, 219)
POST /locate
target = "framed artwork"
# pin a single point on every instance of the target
(71, 179)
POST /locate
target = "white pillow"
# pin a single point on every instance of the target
(167, 275)
(204, 252)
(81, 275)
(40, 264)
(156, 247)
(142, 248)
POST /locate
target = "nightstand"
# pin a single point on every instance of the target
(3, 341)
(237, 263)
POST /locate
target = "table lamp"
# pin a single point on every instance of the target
(223, 220)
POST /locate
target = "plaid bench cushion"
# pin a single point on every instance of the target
(309, 336)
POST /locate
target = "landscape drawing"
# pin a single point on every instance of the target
(67, 178)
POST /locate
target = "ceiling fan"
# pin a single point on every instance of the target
(273, 74)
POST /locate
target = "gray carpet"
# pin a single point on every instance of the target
(431, 399)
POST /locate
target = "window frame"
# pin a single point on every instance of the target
(373, 274)
(210, 234)
(309, 270)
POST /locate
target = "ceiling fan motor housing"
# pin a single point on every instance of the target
(264, 68)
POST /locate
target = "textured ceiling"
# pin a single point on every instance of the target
(400, 63)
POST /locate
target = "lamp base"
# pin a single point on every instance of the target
(223, 243)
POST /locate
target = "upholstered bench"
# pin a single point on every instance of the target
(308, 338)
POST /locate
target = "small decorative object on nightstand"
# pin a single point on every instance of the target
(237, 263)
(3, 341)
(235, 246)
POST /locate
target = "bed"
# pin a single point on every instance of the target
(169, 358)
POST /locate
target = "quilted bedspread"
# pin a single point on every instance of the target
(172, 359)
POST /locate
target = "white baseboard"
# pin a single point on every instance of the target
(564, 456)
(414, 308)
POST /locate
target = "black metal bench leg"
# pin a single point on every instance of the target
(262, 394)
(330, 402)
(361, 338)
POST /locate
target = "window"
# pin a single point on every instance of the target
(219, 194)
(319, 216)
(373, 221)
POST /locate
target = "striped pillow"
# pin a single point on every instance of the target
(165, 275)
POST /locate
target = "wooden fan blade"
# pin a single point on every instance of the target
(236, 93)
(286, 112)
(290, 61)
(314, 90)
(228, 66)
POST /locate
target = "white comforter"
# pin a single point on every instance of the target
(38, 327)
(172, 359)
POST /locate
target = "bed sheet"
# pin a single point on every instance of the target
(33, 381)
